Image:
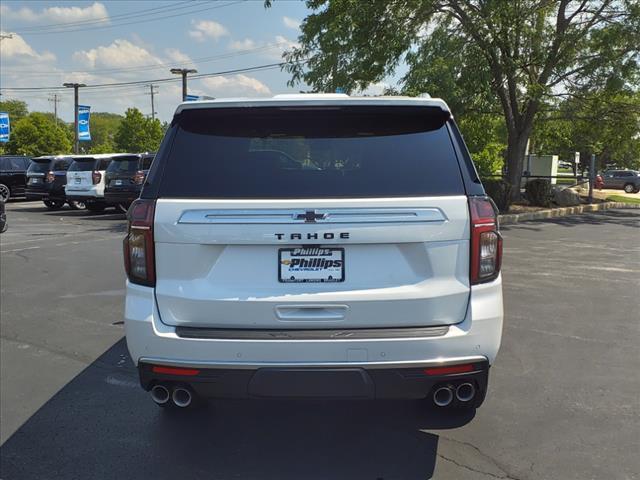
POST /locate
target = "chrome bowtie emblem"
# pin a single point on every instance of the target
(310, 216)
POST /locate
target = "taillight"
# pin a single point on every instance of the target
(139, 258)
(138, 178)
(486, 241)
(50, 177)
(96, 177)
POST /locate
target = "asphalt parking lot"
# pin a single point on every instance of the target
(563, 399)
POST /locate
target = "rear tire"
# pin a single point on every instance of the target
(5, 192)
(53, 204)
(630, 188)
(76, 205)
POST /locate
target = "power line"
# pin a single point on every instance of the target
(127, 15)
(92, 29)
(159, 66)
(159, 80)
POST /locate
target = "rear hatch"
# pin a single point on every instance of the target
(37, 172)
(121, 172)
(345, 217)
(79, 175)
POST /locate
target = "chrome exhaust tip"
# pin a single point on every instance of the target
(465, 392)
(160, 394)
(181, 397)
(443, 396)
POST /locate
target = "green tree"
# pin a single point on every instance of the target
(499, 56)
(103, 127)
(136, 133)
(16, 109)
(605, 123)
(37, 134)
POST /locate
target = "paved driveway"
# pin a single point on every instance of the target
(562, 403)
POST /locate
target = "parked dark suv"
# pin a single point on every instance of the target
(13, 176)
(627, 180)
(46, 178)
(125, 177)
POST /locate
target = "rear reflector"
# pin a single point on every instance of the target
(187, 372)
(469, 367)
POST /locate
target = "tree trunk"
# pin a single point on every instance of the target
(516, 147)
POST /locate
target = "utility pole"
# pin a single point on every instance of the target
(152, 92)
(55, 101)
(184, 72)
(592, 176)
(75, 86)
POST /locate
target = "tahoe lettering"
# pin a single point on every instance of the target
(312, 236)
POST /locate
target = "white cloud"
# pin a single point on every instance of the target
(235, 85)
(177, 56)
(272, 50)
(121, 53)
(17, 50)
(245, 44)
(57, 14)
(291, 22)
(203, 29)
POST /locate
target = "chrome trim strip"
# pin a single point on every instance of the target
(438, 362)
(310, 334)
(324, 216)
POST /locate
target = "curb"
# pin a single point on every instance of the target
(510, 219)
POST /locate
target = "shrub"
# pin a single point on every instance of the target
(538, 192)
(490, 159)
(500, 191)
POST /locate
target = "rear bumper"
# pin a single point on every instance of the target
(44, 193)
(339, 382)
(84, 195)
(476, 339)
(121, 196)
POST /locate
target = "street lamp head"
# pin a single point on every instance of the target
(72, 85)
(180, 71)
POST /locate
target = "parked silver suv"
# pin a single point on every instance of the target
(313, 246)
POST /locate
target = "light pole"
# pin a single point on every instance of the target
(184, 72)
(75, 86)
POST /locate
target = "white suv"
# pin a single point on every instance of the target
(86, 179)
(313, 246)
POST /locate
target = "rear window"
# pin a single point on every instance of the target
(124, 165)
(12, 163)
(146, 162)
(311, 153)
(39, 166)
(83, 165)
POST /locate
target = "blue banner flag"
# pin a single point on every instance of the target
(192, 98)
(4, 127)
(84, 135)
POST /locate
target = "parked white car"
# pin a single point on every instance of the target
(86, 179)
(313, 246)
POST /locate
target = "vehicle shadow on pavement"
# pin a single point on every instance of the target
(102, 425)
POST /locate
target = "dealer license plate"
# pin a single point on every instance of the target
(311, 264)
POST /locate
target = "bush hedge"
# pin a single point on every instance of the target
(500, 191)
(538, 192)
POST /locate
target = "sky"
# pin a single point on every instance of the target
(53, 42)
